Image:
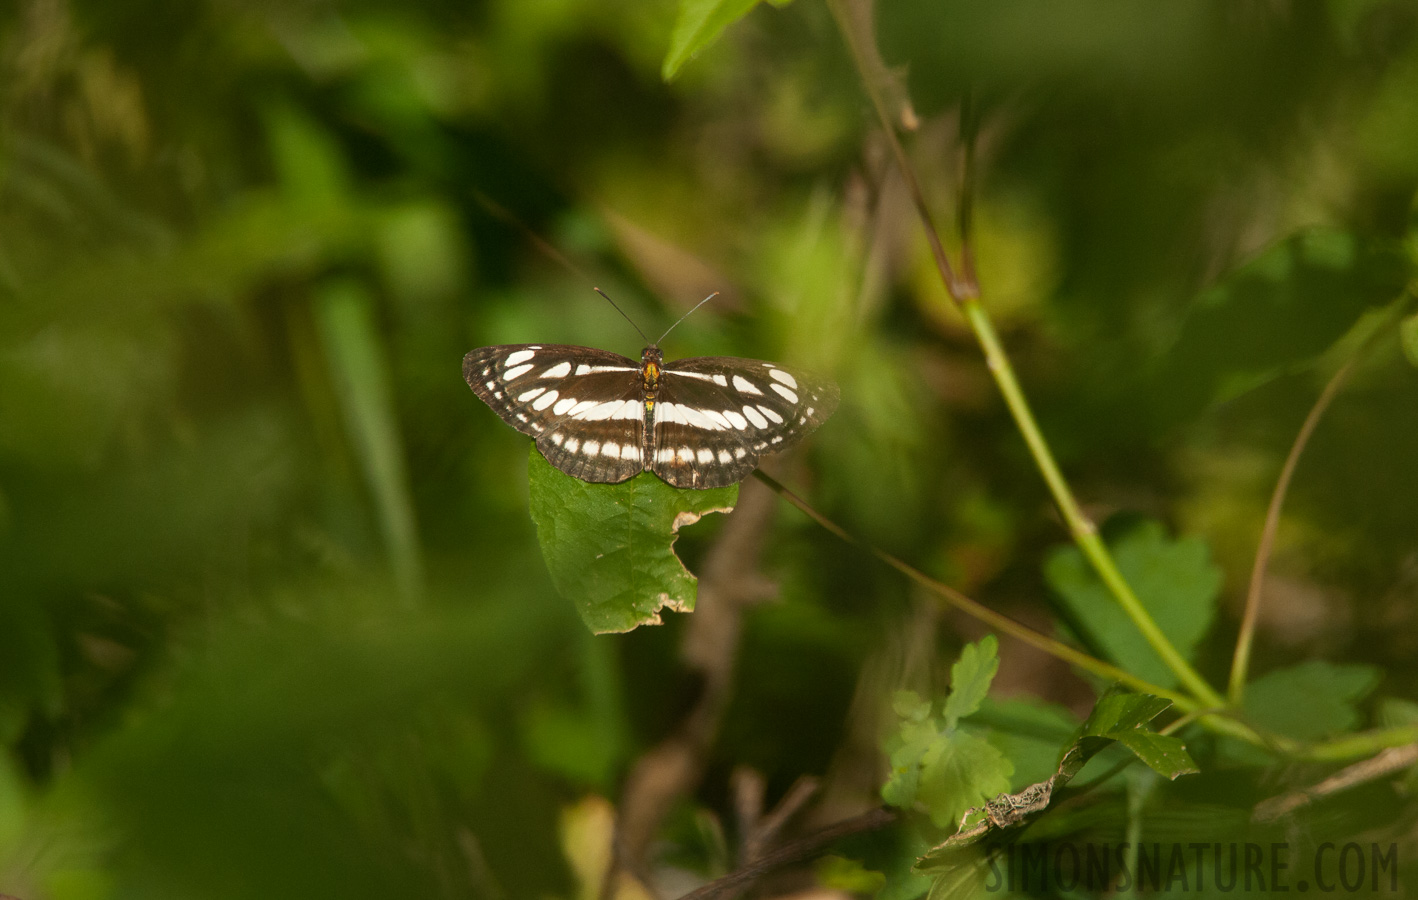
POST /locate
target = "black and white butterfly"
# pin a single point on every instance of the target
(602, 417)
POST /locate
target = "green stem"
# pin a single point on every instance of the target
(1084, 532)
(998, 621)
(1365, 743)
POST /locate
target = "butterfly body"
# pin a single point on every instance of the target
(702, 422)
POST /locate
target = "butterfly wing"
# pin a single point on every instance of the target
(716, 417)
(581, 404)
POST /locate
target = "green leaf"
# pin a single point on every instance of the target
(610, 547)
(699, 24)
(1162, 753)
(848, 875)
(1395, 712)
(970, 679)
(957, 773)
(1312, 700)
(1303, 294)
(1029, 733)
(1408, 336)
(360, 373)
(1118, 717)
(1121, 711)
(1175, 580)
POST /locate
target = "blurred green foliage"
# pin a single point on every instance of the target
(273, 619)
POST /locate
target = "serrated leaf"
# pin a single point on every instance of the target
(958, 773)
(1162, 753)
(910, 707)
(1121, 717)
(610, 547)
(699, 24)
(1029, 733)
(1175, 580)
(1312, 700)
(970, 679)
(1302, 294)
(1122, 710)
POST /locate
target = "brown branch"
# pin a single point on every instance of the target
(728, 585)
(854, 20)
(1394, 759)
(791, 852)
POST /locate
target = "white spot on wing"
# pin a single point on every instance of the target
(529, 395)
(706, 456)
(610, 448)
(725, 456)
(629, 409)
(684, 455)
(754, 417)
(736, 420)
(721, 381)
(785, 393)
(768, 411)
(516, 359)
(573, 444)
(592, 448)
(719, 418)
(581, 407)
(740, 453)
(563, 405)
(746, 386)
(780, 375)
(562, 369)
(698, 419)
(629, 451)
(545, 400)
(557, 438)
(514, 374)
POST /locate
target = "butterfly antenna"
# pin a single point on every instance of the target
(687, 315)
(622, 312)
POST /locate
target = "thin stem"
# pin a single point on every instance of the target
(1240, 661)
(800, 849)
(979, 611)
(1084, 532)
(965, 294)
(852, 32)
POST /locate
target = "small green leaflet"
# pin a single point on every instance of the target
(1175, 580)
(610, 547)
(970, 679)
(699, 24)
(1312, 700)
(1118, 716)
(937, 763)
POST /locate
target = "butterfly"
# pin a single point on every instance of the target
(601, 417)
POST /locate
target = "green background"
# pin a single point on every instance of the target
(273, 617)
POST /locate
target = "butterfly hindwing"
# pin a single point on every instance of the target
(601, 443)
(533, 386)
(717, 415)
(581, 404)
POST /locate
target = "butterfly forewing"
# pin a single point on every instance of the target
(712, 417)
(535, 386)
(717, 415)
